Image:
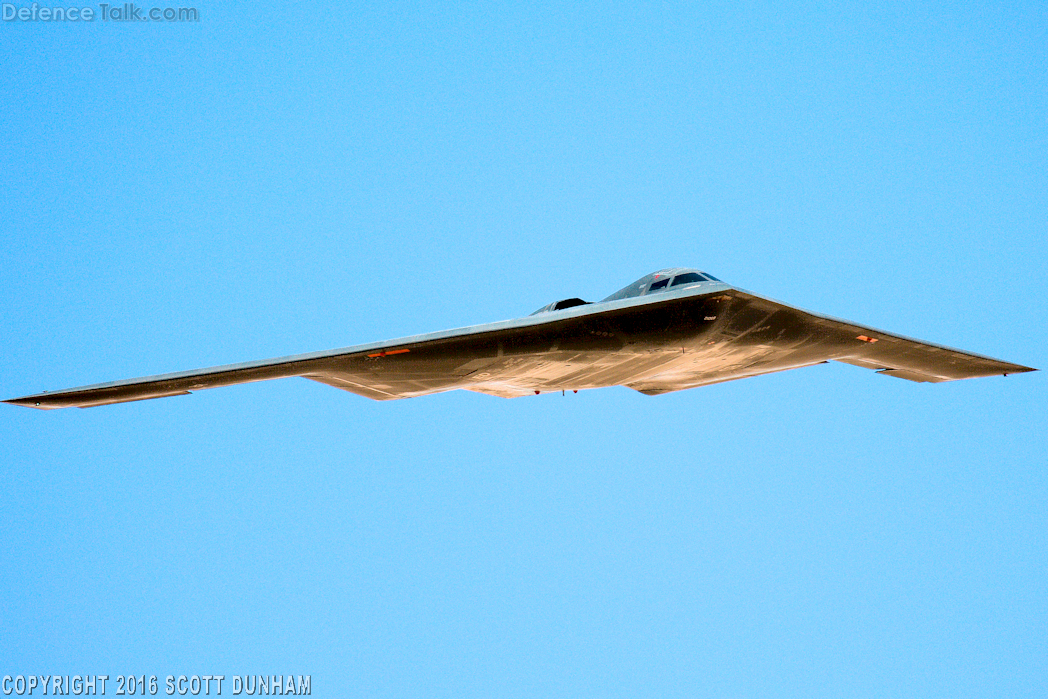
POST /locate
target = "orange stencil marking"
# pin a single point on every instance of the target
(866, 339)
(386, 353)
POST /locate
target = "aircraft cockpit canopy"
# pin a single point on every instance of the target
(654, 282)
(660, 281)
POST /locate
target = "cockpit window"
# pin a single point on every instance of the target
(661, 284)
(688, 278)
(660, 281)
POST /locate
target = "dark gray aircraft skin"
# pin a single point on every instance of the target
(673, 329)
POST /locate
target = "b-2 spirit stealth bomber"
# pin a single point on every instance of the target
(671, 330)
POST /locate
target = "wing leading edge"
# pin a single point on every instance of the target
(695, 335)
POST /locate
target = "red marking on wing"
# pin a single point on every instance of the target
(386, 353)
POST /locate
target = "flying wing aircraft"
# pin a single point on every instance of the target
(673, 329)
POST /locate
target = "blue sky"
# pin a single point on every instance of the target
(277, 179)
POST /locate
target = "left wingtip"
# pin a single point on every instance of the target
(28, 402)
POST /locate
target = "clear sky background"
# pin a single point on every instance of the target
(278, 178)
